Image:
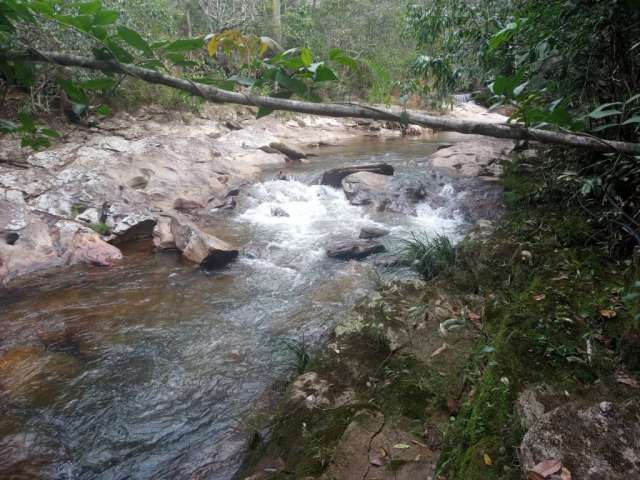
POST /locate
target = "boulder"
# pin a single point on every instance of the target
(186, 204)
(368, 233)
(594, 440)
(162, 236)
(128, 223)
(278, 212)
(200, 247)
(355, 250)
(290, 152)
(366, 188)
(334, 177)
(474, 158)
(33, 242)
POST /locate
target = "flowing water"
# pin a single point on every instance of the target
(147, 370)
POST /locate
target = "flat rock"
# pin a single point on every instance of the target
(290, 152)
(368, 233)
(595, 441)
(355, 250)
(200, 247)
(474, 158)
(163, 238)
(334, 177)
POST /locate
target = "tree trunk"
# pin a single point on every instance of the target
(213, 94)
(277, 20)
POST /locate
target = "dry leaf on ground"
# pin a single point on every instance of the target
(607, 313)
(440, 350)
(539, 298)
(545, 469)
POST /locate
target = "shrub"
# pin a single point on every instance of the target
(430, 256)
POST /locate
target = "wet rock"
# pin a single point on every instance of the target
(200, 247)
(474, 158)
(90, 216)
(369, 233)
(415, 130)
(185, 205)
(383, 193)
(334, 177)
(129, 224)
(43, 242)
(162, 236)
(355, 250)
(598, 440)
(231, 125)
(290, 152)
(278, 212)
(366, 188)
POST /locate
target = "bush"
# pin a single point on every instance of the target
(429, 256)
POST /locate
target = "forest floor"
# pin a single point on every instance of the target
(521, 359)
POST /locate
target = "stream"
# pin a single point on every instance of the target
(149, 370)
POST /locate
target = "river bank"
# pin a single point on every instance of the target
(152, 366)
(520, 359)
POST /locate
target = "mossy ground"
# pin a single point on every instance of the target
(551, 288)
(548, 288)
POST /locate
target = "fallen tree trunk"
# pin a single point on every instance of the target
(213, 94)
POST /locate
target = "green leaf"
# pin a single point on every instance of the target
(306, 56)
(604, 111)
(27, 123)
(120, 53)
(602, 128)
(73, 91)
(633, 99)
(106, 17)
(292, 84)
(97, 84)
(103, 110)
(81, 22)
(134, 39)
(88, 8)
(339, 56)
(323, 74)
(263, 112)
(100, 33)
(185, 45)
(635, 119)
(7, 127)
(50, 133)
(603, 114)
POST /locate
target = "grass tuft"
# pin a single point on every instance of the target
(429, 256)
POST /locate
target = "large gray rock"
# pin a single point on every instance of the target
(595, 441)
(369, 233)
(355, 250)
(366, 188)
(383, 192)
(334, 177)
(474, 158)
(200, 247)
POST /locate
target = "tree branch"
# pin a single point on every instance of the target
(213, 94)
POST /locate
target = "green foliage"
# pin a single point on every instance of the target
(32, 135)
(430, 256)
(297, 352)
(100, 228)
